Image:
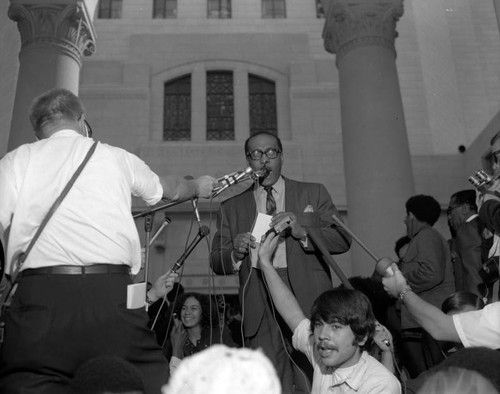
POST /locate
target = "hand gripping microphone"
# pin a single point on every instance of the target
(236, 177)
(203, 232)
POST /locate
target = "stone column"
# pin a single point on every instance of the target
(54, 37)
(378, 171)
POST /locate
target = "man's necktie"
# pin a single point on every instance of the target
(270, 201)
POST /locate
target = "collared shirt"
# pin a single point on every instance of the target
(279, 258)
(94, 223)
(479, 328)
(366, 376)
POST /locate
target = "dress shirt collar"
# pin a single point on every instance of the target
(352, 376)
(66, 133)
(278, 187)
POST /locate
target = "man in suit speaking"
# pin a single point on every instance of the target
(299, 263)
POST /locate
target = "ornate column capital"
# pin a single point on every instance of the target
(64, 24)
(353, 23)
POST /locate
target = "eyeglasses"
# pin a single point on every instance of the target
(271, 153)
(450, 209)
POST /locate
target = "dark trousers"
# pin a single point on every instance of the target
(419, 351)
(275, 339)
(57, 322)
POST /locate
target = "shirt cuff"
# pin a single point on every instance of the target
(236, 264)
(174, 364)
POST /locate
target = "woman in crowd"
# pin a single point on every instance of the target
(197, 329)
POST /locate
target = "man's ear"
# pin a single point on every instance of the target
(81, 124)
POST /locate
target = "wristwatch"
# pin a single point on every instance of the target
(402, 293)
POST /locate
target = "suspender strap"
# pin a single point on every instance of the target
(51, 211)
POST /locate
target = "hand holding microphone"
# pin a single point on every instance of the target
(283, 220)
(395, 284)
(204, 186)
(382, 337)
(234, 178)
(162, 286)
(242, 244)
(384, 267)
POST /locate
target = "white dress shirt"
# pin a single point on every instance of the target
(479, 328)
(260, 195)
(94, 223)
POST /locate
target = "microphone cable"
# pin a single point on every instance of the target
(283, 341)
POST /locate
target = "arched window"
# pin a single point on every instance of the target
(110, 9)
(220, 105)
(262, 104)
(177, 109)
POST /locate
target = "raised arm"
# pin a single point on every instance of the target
(283, 298)
(433, 320)
(176, 188)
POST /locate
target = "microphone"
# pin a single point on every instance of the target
(203, 232)
(236, 177)
(384, 267)
(165, 223)
(194, 203)
(311, 223)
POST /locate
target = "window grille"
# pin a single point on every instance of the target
(165, 9)
(273, 9)
(110, 9)
(262, 102)
(219, 9)
(177, 110)
(220, 106)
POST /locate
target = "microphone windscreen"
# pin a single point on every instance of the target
(384, 267)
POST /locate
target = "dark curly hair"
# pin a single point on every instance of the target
(209, 312)
(348, 307)
(424, 208)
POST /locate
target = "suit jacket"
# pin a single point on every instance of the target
(427, 268)
(469, 246)
(490, 215)
(308, 273)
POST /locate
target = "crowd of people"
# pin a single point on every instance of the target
(429, 324)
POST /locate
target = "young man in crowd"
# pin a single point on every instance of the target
(341, 325)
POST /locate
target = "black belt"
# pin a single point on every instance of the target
(77, 270)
